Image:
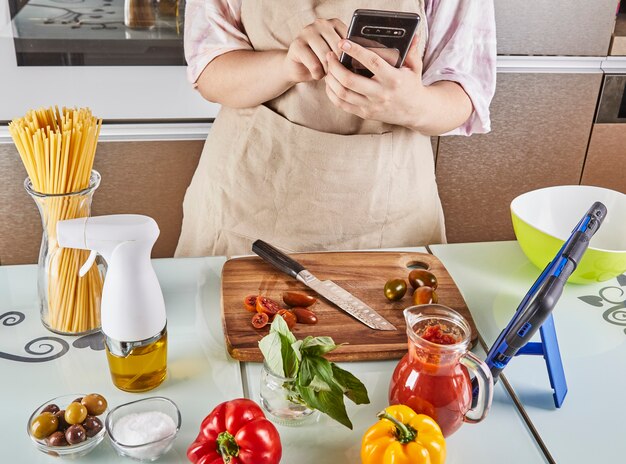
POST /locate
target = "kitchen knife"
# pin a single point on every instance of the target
(327, 288)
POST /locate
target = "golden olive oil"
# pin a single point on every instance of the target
(143, 369)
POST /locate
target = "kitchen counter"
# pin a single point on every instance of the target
(201, 375)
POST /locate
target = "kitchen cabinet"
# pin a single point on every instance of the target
(137, 177)
(606, 158)
(540, 130)
(556, 27)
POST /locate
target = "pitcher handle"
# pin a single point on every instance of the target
(485, 387)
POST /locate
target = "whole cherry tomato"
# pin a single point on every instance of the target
(424, 295)
(395, 289)
(260, 320)
(267, 306)
(249, 303)
(422, 278)
(289, 317)
(304, 315)
(298, 299)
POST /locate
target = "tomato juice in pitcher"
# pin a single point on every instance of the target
(432, 378)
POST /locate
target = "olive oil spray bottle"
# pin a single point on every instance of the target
(133, 310)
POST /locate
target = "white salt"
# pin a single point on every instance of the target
(141, 428)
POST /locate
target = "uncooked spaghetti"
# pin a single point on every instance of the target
(58, 149)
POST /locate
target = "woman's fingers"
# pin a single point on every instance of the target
(305, 55)
(348, 79)
(340, 27)
(342, 104)
(372, 61)
(345, 94)
(320, 46)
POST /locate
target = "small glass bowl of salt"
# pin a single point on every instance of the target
(144, 429)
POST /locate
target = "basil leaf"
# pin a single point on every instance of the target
(290, 358)
(297, 349)
(318, 385)
(328, 402)
(271, 347)
(279, 325)
(352, 387)
(312, 366)
(318, 346)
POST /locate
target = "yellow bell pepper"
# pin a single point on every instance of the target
(403, 437)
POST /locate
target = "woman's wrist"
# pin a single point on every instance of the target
(438, 108)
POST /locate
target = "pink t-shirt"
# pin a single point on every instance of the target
(461, 46)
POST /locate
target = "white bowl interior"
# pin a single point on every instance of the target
(556, 210)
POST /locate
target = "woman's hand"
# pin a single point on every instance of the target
(395, 96)
(392, 95)
(306, 58)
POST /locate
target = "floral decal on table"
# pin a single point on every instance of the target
(41, 349)
(48, 348)
(614, 298)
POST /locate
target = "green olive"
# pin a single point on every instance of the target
(44, 425)
(422, 278)
(75, 413)
(95, 404)
(424, 295)
(395, 289)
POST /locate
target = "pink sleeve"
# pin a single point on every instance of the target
(212, 28)
(461, 47)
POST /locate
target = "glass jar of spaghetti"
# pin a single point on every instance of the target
(58, 148)
(69, 304)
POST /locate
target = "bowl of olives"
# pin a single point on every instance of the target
(69, 426)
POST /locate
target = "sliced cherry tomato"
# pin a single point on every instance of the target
(260, 320)
(250, 303)
(298, 299)
(267, 306)
(289, 317)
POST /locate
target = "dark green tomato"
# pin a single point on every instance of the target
(395, 289)
(422, 278)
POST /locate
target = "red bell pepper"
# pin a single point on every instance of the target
(236, 432)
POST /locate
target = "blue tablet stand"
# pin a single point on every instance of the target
(548, 347)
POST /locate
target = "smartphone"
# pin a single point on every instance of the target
(388, 33)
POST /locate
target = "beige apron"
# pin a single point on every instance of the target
(302, 174)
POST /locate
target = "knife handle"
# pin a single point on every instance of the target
(277, 258)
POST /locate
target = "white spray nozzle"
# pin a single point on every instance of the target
(71, 233)
(87, 265)
(133, 308)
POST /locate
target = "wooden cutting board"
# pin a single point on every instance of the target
(361, 273)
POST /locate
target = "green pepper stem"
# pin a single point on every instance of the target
(404, 432)
(227, 447)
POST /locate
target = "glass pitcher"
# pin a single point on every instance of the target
(432, 378)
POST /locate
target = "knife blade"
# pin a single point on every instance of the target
(327, 288)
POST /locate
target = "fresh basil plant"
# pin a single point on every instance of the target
(319, 383)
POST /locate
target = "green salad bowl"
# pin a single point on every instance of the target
(543, 219)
